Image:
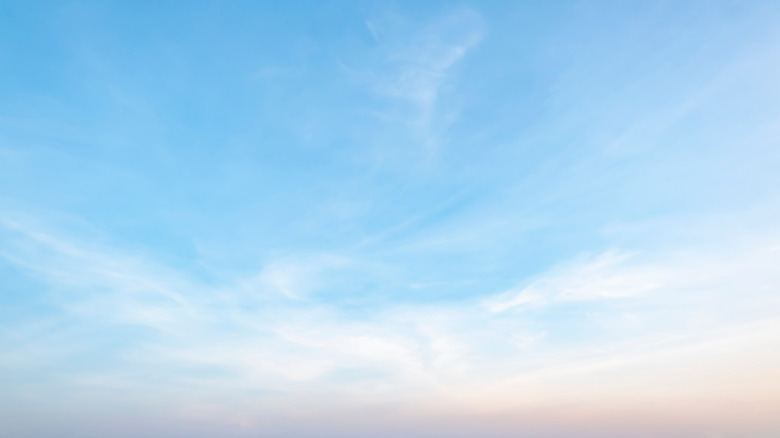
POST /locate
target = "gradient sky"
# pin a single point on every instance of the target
(368, 219)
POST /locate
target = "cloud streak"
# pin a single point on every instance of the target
(446, 352)
(414, 68)
(500, 221)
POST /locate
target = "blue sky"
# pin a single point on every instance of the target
(541, 219)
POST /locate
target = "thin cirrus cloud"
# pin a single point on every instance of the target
(409, 68)
(434, 353)
(421, 220)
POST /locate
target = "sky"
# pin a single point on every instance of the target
(367, 219)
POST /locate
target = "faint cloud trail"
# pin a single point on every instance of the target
(412, 68)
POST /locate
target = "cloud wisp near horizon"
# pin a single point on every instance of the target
(420, 219)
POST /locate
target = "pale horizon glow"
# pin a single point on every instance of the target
(422, 219)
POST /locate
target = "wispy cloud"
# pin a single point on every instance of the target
(608, 275)
(296, 277)
(351, 221)
(413, 68)
(441, 349)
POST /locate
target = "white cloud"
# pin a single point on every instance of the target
(452, 351)
(414, 66)
(608, 275)
(297, 277)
